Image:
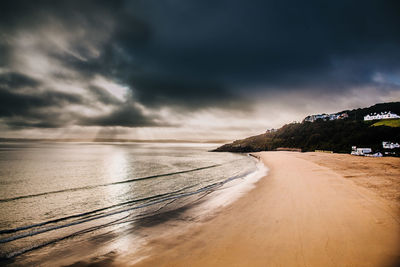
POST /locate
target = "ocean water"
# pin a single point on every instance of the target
(64, 193)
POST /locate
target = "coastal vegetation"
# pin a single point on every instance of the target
(336, 135)
(390, 123)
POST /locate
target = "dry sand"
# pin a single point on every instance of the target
(304, 213)
(380, 175)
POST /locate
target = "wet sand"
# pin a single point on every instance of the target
(304, 213)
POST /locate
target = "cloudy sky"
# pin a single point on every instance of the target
(219, 69)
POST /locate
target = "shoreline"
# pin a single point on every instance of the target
(311, 209)
(131, 237)
(301, 214)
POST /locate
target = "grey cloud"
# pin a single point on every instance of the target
(127, 116)
(15, 80)
(46, 108)
(47, 119)
(15, 103)
(38, 108)
(103, 96)
(159, 91)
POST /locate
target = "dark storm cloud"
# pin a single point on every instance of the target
(21, 108)
(15, 80)
(127, 115)
(170, 91)
(45, 110)
(38, 108)
(54, 119)
(25, 13)
(276, 43)
(200, 54)
(181, 52)
(77, 30)
(15, 103)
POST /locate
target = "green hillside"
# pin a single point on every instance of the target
(390, 123)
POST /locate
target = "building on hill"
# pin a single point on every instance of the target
(325, 117)
(271, 130)
(381, 116)
(390, 145)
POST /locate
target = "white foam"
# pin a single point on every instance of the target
(231, 191)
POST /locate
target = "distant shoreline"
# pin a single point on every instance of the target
(100, 140)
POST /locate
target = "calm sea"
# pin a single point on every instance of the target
(53, 193)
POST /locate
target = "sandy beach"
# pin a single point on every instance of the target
(308, 211)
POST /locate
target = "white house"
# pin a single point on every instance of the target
(381, 116)
(390, 145)
(325, 117)
(360, 151)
